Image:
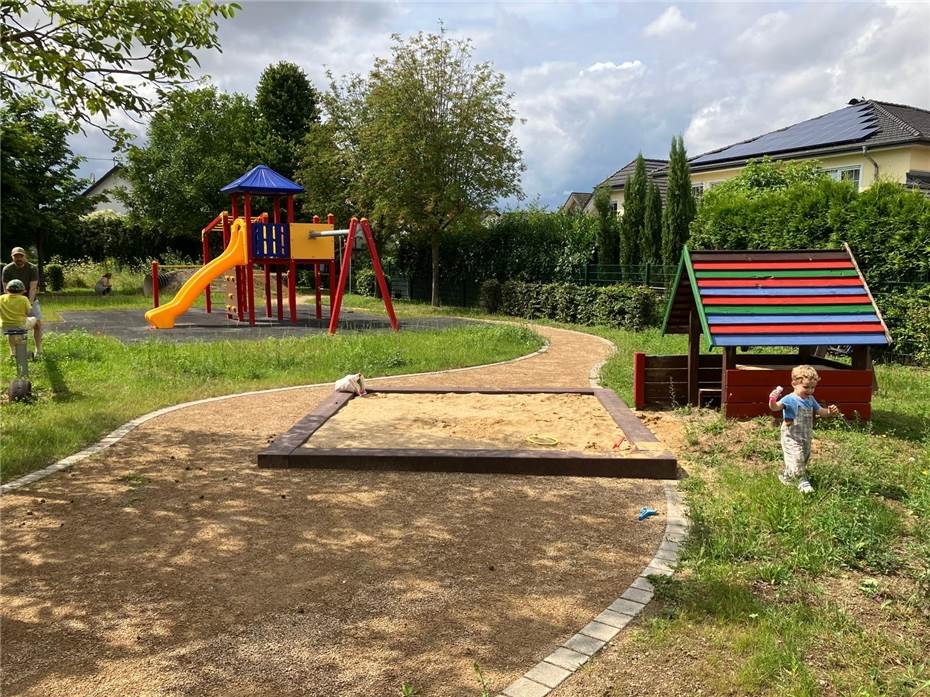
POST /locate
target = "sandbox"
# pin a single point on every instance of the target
(545, 431)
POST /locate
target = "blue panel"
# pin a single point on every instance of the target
(798, 339)
(788, 319)
(271, 240)
(763, 292)
(844, 125)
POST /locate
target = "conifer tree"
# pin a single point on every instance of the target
(680, 206)
(652, 226)
(607, 233)
(634, 213)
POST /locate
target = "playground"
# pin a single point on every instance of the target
(170, 560)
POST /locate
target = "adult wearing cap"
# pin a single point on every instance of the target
(22, 270)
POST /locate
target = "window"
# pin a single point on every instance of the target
(697, 190)
(614, 208)
(845, 174)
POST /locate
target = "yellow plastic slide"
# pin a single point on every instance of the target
(235, 254)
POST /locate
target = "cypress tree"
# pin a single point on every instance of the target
(634, 214)
(652, 226)
(680, 206)
(607, 233)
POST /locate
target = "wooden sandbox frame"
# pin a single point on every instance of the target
(650, 461)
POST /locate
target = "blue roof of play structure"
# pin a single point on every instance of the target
(262, 180)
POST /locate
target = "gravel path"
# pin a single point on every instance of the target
(170, 565)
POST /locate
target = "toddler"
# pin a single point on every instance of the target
(798, 409)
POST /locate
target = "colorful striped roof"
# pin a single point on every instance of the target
(806, 297)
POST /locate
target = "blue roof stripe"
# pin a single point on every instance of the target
(769, 292)
(798, 339)
(790, 319)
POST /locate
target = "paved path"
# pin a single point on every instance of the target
(169, 564)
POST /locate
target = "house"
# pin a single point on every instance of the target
(576, 202)
(616, 182)
(862, 142)
(107, 184)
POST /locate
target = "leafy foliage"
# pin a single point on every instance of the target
(680, 205)
(198, 143)
(907, 314)
(55, 276)
(288, 105)
(39, 192)
(92, 58)
(490, 296)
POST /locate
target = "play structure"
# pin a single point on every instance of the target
(271, 247)
(804, 299)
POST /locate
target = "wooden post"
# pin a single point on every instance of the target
(277, 273)
(292, 290)
(728, 363)
(267, 290)
(694, 357)
(639, 379)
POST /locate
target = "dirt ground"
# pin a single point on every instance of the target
(566, 422)
(171, 565)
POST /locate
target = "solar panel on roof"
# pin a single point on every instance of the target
(845, 125)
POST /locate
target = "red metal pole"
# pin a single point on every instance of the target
(290, 208)
(277, 209)
(292, 290)
(379, 274)
(277, 273)
(155, 283)
(205, 236)
(267, 290)
(343, 277)
(330, 219)
(317, 283)
(249, 273)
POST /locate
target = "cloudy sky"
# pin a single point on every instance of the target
(596, 83)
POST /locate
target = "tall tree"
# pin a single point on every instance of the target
(40, 194)
(437, 141)
(200, 141)
(634, 214)
(680, 206)
(652, 226)
(89, 59)
(607, 228)
(289, 105)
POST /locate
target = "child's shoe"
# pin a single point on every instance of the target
(805, 487)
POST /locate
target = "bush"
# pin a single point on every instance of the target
(490, 296)
(54, 276)
(907, 314)
(366, 283)
(622, 305)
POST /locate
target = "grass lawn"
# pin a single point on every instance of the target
(88, 385)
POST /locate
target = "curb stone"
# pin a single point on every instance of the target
(122, 431)
(565, 661)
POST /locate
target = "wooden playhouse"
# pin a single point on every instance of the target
(803, 299)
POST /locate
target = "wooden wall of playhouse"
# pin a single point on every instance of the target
(662, 381)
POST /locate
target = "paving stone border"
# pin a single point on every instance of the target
(123, 430)
(579, 648)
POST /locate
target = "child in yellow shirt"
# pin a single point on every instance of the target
(14, 312)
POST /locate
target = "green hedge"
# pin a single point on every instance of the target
(907, 314)
(622, 305)
(55, 276)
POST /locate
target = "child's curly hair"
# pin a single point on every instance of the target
(804, 373)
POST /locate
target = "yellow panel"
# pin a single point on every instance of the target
(303, 247)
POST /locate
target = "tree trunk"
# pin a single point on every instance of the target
(435, 247)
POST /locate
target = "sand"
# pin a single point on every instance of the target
(577, 423)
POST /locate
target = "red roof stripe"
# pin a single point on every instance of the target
(777, 282)
(769, 265)
(793, 300)
(801, 328)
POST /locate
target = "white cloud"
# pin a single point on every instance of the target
(669, 22)
(611, 66)
(764, 30)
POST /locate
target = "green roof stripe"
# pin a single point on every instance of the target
(813, 273)
(686, 255)
(787, 309)
(671, 297)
